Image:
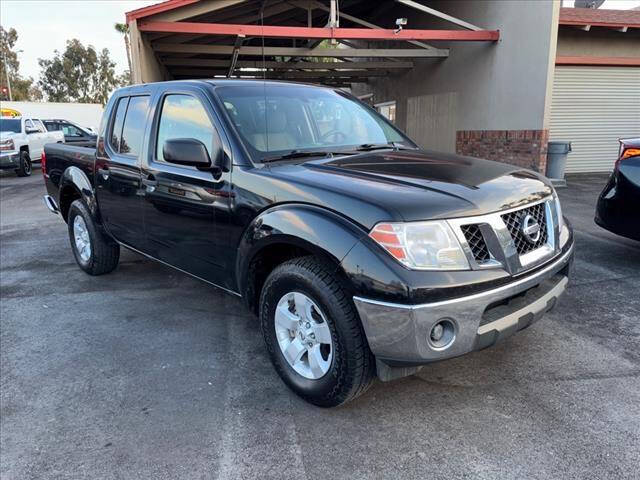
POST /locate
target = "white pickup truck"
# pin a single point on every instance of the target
(22, 141)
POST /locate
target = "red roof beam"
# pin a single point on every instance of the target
(582, 23)
(157, 8)
(318, 33)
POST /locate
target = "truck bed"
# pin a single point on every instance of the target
(62, 156)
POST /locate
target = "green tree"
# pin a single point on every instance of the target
(21, 88)
(79, 74)
(123, 28)
(52, 80)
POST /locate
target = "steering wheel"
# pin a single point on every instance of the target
(334, 133)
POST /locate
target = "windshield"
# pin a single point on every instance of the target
(274, 119)
(10, 125)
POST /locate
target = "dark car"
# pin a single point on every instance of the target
(73, 134)
(360, 253)
(618, 208)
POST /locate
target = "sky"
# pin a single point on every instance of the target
(45, 25)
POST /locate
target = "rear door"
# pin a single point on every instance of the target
(118, 182)
(45, 136)
(182, 205)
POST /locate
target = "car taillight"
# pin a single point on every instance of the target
(626, 152)
(43, 165)
(630, 152)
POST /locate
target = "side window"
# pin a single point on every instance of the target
(134, 124)
(28, 124)
(183, 116)
(71, 131)
(118, 121)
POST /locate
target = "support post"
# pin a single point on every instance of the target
(234, 55)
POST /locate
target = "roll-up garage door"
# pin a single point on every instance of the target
(592, 107)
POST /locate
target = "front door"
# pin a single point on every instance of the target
(73, 134)
(36, 139)
(117, 172)
(182, 204)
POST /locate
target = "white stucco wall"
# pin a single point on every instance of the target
(84, 114)
(497, 86)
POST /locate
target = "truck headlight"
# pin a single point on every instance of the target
(7, 145)
(428, 245)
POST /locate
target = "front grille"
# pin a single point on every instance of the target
(476, 242)
(513, 221)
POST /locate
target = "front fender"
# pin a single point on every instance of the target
(313, 228)
(75, 178)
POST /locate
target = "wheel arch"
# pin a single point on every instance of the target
(289, 231)
(74, 185)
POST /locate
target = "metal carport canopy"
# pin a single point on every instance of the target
(211, 36)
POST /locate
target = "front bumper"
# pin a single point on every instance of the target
(9, 159)
(399, 335)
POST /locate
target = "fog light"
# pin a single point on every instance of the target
(436, 332)
(442, 334)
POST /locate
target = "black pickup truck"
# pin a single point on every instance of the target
(361, 254)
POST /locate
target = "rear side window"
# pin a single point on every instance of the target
(52, 126)
(40, 126)
(116, 128)
(71, 131)
(183, 116)
(134, 124)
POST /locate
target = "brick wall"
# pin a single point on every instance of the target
(525, 148)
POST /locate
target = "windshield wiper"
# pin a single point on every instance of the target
(298, 154)
(366, 147)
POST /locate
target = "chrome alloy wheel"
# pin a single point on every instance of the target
(81, 237)
(303, 335)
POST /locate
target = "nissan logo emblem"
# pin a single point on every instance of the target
(530, 229)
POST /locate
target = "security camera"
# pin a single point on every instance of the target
(400, 22)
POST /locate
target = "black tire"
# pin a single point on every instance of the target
(24, 168)
(105, 253)
(352, 367)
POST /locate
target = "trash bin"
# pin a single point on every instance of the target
(557, 159)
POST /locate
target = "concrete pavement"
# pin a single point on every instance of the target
(147, 373)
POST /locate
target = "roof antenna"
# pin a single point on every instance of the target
(264, 63)
(264, 76)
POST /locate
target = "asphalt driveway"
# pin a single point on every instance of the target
(146, 373)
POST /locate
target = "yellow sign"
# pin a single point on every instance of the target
(9, 112)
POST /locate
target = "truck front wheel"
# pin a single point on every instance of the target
(95, 253)
(24, 167)
(313, 334)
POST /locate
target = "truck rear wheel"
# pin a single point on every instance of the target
(24, 167)
(95, 253)
(313, 334)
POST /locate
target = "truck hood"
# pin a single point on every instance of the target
(416, 185)
(7, 135)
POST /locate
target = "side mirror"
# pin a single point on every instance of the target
(31, 130)
(186, 151)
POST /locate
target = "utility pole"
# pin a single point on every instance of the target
(6, 71)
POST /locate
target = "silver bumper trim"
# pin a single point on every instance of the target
(400, 333)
